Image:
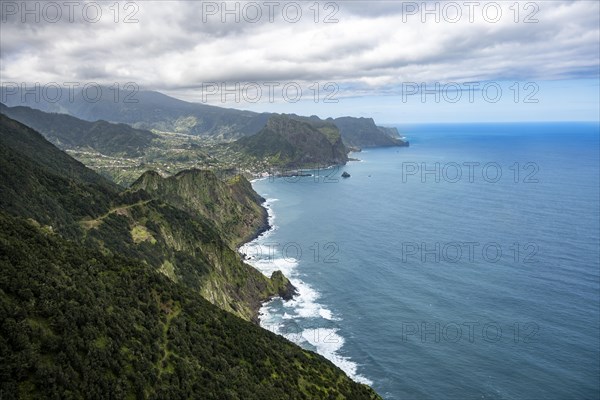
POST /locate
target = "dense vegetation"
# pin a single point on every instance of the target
(75, 323)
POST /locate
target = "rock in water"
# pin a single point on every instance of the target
(345, 175)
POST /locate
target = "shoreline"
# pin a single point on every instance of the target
(291, 172)
(290, 290)
(305, 306)
(265, 226)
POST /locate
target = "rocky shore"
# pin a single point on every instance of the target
(286, 290)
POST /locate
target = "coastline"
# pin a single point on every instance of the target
(264, 226)
(295, 318)
(290, 290)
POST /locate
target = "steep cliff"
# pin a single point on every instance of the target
(233, 206)
(362, 132)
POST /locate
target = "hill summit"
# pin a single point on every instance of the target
(289, 142)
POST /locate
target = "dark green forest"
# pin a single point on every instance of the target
(79, 324)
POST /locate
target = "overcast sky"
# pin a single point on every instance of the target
(373, 57)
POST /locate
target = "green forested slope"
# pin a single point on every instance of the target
(78, 324)
(39, 181)
(103, 295)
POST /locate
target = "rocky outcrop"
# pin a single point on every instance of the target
(232, 205)
(286, 290)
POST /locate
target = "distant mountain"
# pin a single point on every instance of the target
(154, 110)
(362, 132)
(150, 110)
(358, 132)
(70, 133)
(288, 141)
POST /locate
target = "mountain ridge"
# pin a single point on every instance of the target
(290, 142)
(71, 133)
(154, 110)
(232, 205)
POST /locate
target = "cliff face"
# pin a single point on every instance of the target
(233, 206)
(362, 132)
(290, 142)
(234, 210)
(188, 248)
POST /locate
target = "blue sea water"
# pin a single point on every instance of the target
(428, 284)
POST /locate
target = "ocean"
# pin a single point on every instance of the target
(465, 266)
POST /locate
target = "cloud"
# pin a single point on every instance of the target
(178, 45)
